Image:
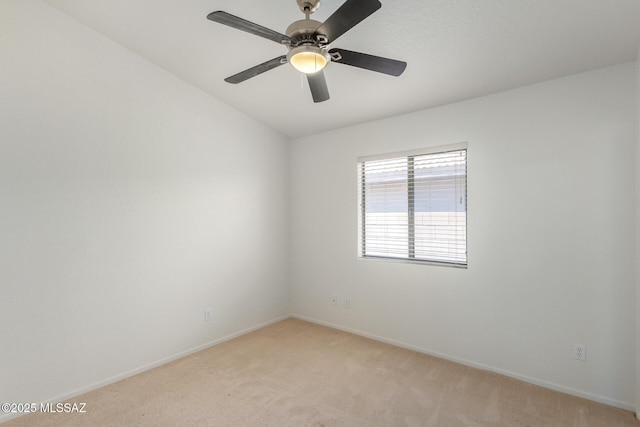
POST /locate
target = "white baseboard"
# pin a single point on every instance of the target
(140, 369)
(546, 384)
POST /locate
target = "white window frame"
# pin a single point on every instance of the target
(411, 257)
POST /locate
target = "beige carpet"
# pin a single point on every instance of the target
(295, 373)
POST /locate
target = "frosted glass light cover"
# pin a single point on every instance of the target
(308, 62)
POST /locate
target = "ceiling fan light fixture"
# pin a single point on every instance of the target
(308, 59)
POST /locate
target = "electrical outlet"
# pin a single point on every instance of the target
(208, 313)
(334, 302)
(579, 352)
(347, 303)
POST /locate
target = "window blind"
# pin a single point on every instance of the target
(414, 207)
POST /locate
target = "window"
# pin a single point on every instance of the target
(413, 206)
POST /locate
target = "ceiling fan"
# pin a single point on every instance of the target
(308, 43)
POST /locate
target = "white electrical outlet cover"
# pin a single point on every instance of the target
(579, 352)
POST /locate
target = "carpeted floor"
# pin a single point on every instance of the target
(294, 373)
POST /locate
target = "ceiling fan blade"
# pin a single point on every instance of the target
(368, 62)
(318, 85)
(350, 14)
(258, 69)
(244, 25)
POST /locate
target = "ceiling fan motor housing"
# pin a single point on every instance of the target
(302, 32)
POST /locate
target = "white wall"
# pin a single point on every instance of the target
(129, 202)
(638, 239)
(550, 235)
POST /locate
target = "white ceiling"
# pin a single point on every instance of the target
(456, 50)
